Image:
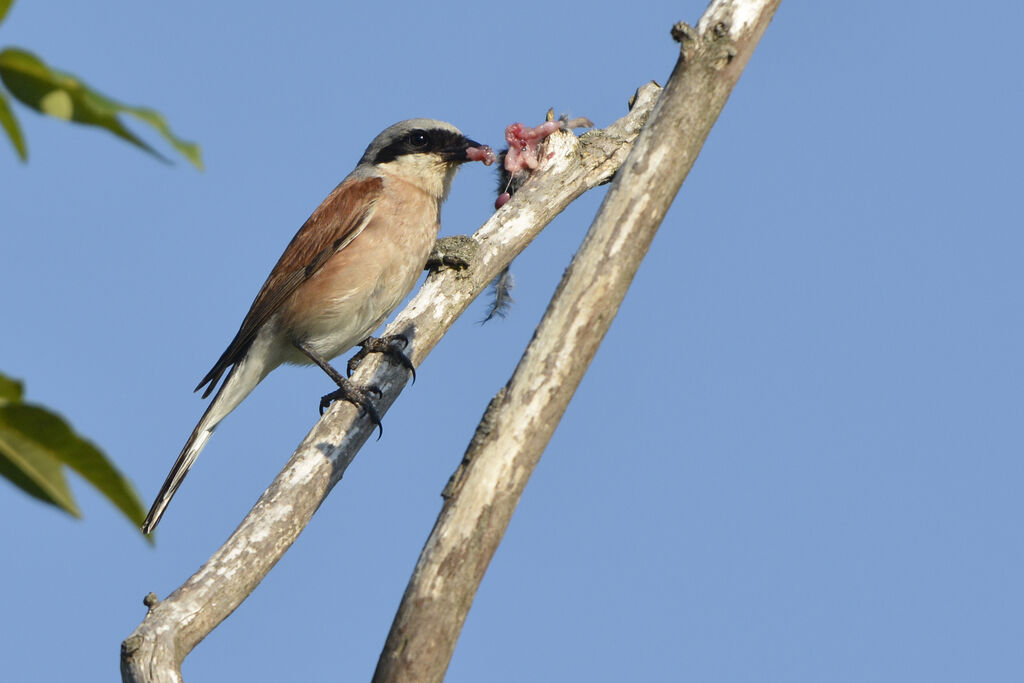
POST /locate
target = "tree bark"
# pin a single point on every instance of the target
(517, 425)
(173, 627)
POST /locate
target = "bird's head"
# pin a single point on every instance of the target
(425, 152)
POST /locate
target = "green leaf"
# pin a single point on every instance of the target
(33, 470)
(10, 125)
(66, 97)
(36, 444)
(4, 6)
(10, 389)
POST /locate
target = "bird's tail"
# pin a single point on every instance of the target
(240, 381)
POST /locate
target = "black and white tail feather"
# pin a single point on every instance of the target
(241, 380)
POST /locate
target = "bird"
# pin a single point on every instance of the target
(347, 268)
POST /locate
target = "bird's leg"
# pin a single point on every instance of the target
(388, 345)
(347, 391)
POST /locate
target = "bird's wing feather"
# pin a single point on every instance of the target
(332, 227)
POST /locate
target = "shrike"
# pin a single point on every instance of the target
(348, 267)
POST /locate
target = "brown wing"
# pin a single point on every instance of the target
(334, 224)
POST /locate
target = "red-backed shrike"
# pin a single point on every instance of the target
(348, 267)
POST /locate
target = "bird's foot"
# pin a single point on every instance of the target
(356, 395)
(454, 252)
(390, 345)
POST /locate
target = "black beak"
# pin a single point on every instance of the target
(471, 150)
(456, 152)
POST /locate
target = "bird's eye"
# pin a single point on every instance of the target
(418, 139)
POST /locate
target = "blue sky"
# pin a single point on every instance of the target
(796, 457)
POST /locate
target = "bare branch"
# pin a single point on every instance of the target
(516, 428)
(171, 629)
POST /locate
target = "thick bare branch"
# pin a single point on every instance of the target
(514, 431)
(171, 629)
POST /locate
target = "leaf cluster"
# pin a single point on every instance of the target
(37, 447)
(29, 80)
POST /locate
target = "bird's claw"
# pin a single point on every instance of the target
(358, 397)
(455, 251)
(387, 346)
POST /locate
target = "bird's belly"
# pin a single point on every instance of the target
(355, 291)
